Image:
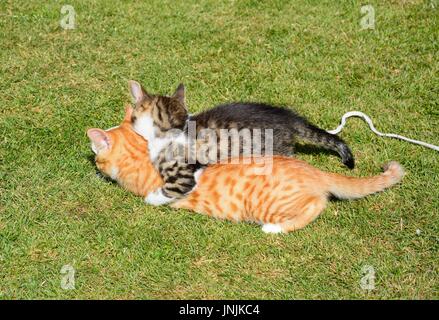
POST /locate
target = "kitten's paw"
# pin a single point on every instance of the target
(271, 228)
(157, 198)
(197, 175)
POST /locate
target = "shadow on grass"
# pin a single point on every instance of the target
(313, 150)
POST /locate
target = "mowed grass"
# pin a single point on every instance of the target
(310, 55)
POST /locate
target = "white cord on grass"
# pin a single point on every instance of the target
(369, 122)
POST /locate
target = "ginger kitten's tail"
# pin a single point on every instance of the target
(344, 187)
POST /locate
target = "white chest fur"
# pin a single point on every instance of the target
(144, 126)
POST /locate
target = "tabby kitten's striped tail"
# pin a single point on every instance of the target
(313, 134)
(344, 187)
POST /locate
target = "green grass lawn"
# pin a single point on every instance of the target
(312, 55)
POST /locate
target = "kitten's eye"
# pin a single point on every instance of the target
(133, 118)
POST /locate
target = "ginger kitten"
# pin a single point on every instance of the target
(156, 116)
(288, 199)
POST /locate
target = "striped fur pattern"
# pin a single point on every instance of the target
(288, 127)
(289, 199)
(155, 115)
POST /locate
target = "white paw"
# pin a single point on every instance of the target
(198, 174)
(157, 198)
(271, 228)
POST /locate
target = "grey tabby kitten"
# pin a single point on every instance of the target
(155, 116)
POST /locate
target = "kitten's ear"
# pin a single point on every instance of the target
(128, 113)
(179, 93)
(100, 140)
(136, 90)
